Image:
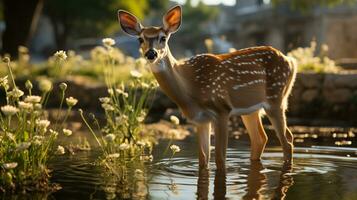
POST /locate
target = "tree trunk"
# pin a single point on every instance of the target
(21, 17)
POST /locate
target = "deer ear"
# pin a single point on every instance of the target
(129, 23)
(172, 19)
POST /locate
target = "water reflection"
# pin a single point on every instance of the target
(256, 183)
(285, 182)
(203, 184)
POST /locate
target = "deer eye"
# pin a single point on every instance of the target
(141, 40)
(163, 39)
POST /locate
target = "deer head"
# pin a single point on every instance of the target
(153, 40)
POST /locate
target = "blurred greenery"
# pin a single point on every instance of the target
(309, 60)
(91, 18)
(194, 20)
(76, 65)
(305, 5)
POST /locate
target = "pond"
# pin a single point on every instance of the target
(318, 172)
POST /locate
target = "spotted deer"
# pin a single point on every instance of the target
(210, 88)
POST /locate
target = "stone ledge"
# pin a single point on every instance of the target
(314, 96)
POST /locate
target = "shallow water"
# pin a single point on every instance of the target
(318, 172)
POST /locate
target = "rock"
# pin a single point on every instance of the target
(338, 95)
(296, 92)
(310, 80)
(310, 95)
(329, 81)
(346, 80)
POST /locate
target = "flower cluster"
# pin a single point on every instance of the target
(61, 55)
(175, 148)
(26, 147)
(307, 60)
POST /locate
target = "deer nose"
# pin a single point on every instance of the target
(151, 54)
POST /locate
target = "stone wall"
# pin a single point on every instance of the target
(325, 96)
(314, 96)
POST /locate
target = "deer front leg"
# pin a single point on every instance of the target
(221, 140)
(204, 143)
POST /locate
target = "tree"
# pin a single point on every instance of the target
(21, 18)
(88, 18)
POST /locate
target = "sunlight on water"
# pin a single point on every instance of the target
(318, 172)
(245, 180)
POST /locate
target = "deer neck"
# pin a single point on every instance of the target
(170, 81)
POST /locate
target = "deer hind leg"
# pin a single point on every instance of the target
(221, 140)
(204, 143)
(277, 118)
(257, 135)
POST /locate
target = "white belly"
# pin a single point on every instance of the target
(244, 111)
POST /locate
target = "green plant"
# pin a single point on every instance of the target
(308, 61)
(121, 139)
(27, 141)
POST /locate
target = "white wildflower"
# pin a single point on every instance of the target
(67, 132)
(61, 55)
(104, 99)
(10, 136)
(110, 91)
(71, 101)
(4, 81)
(23, 146)
(38, 106)
(33, 99)
(25, 106)
(45, 85)
(16, 93)
(53, 132)
(119, 91)
(146, 158)
(37, 140)
(60, 150)
(121, 119)
(6, 59)
(141, 143)
(108, 42)
(135, 74)
(124, 146)
(125, 94)
(140, 118)
(9, 110)
(174, 120)
(108, 107)
(144, 85)
(175, 148)
(11, 165)
(113, 155)
(43, 124)
(138, 171)
(139, 174)
(109, 137)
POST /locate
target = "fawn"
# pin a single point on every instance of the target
(210, 88)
